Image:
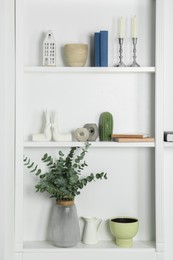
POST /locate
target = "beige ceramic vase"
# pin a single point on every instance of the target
(75, 54)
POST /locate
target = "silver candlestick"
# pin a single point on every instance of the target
(121, 64)
(134, 63)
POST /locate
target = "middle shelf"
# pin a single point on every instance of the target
(81, 144)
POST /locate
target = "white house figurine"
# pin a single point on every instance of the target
(49, 50)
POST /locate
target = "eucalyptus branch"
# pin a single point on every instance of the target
(62, 179)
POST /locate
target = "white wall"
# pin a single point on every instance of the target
(6, 128)
(168, 121)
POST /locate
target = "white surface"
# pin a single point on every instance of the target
(93, 144)
(7, 129)
(168, 121)
(46, 246)
(168, 125)
(90, 69)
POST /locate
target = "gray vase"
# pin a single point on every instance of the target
(65, 225)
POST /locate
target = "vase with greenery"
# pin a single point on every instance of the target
(63, 181)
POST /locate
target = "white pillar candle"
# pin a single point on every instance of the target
(121, 33)
(134, 28)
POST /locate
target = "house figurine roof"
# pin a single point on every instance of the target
(49, 50)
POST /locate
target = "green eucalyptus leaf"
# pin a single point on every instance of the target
(38, 172)
(61, 153)
(45, 157)
(30, 166)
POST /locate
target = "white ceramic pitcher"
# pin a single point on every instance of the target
(90, 232)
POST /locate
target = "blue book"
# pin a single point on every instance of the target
(104, 48)
(97, 49)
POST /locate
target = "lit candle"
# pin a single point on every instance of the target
(134, 28)
(121, 27)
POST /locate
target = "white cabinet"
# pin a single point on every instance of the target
(132, 95)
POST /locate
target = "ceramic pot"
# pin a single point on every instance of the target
(75, 54)
(65, 224)
(124, 229)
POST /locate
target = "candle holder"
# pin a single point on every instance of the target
(134, 63)
(121, 64)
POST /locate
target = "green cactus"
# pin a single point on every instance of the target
(105, 126)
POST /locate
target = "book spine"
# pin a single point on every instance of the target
(97, 49)
(104, 48)
(130, 135)
(128, 140)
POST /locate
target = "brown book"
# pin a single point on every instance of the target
(140, 135)
(128, 140)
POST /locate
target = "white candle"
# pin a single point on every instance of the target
(134, 28)
(121, 27)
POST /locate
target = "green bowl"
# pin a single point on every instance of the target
(124, 229)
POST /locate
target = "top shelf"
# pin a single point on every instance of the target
(42, 69)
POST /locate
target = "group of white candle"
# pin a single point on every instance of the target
(134, 27)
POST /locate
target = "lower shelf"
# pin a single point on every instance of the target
(46, 246)
(141, 250)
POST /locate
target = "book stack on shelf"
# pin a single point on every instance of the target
(123, 138)
(101, 49)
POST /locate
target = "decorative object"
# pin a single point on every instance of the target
(51, 130)
(65, 224)
(93, 131)
(90, 232)
(81, 134)
(55, 131)
(46, 135)
(134, 63)
(134, 42)
(75, 54)
(124, 229)
(63, 181)
(105, 126)
(121, 40)
(49, 50)
(121, 63)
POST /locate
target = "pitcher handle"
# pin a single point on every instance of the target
(99, 221)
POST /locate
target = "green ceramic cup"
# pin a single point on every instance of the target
(124, 229)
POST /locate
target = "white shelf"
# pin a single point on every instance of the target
(134, 95)
(168, 144)
(41, 69)
(46, 246)
(81, 144)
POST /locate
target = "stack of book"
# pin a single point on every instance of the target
(132, 138)
(101, 49)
